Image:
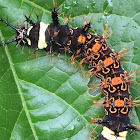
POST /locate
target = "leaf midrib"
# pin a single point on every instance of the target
(19, 89)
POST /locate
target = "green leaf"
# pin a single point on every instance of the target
(44, 99)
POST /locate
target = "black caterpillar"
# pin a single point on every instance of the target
(104, 62)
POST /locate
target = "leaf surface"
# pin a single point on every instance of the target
(44, 99)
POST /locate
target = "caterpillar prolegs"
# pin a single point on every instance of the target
(80, 42)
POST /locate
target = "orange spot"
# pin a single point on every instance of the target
(98, 68)
(96, 47)
(88, 57)
(105, 86)
(107, 105)
(119, 103)
(108, 61)
(78, 51)
(81, 39)
(116, 81)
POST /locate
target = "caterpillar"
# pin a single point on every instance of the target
(81, 32)
(37, 35)
(105, 64)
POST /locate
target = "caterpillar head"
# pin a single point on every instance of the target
(32, 36)
(21, 37)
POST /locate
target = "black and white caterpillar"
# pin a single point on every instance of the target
(94, 50)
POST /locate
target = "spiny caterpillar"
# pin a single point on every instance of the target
(104, 63)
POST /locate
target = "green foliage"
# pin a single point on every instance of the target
(42, 99)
